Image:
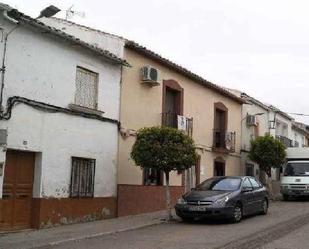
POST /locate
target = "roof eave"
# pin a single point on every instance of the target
(183, 71)
(37, 24)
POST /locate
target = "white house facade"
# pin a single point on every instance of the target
(59, 126)
(260, 119)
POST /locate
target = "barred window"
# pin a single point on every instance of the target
(152, 177)
(86, 88)
(82, 177)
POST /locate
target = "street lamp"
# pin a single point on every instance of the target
(49, 11)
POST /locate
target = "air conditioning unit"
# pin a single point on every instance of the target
(251, 120)
(150, 75)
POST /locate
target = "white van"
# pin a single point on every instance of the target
(295, 179)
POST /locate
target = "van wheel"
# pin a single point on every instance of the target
(237, 213)
(285, 197)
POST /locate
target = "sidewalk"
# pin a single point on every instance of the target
(57, 235)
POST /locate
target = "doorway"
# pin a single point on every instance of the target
(172, 103)
(17, 190)
(219, 168)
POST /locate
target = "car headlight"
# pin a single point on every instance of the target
(181, 201)
(221, 202)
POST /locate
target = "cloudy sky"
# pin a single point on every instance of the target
(258, 46)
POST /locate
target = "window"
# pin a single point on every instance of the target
(82, 178)
(220, 184)
(86, 88)
(152, 177)
(246, 184)
(249, 169)
(219, 168)
(255, 183)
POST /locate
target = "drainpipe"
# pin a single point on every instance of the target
(2, 69)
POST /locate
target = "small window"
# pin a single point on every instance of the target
(249, 169)
(219, 168)
(152, 177)
(82, 177)
(86, 88)
(254, 183)
(246, 184)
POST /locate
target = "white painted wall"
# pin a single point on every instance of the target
(42, 67)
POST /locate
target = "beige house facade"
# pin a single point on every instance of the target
(213, 114)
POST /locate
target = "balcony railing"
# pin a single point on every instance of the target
(171, 120)
(286, 141)
(224, 141)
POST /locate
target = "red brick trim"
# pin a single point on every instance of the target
(137, 199)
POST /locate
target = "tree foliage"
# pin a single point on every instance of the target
(268, 152)
(163, 148)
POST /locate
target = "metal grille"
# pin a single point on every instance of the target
(224, 140)
(86, 88)
(170, 119)
(82, 178)
(200, 203)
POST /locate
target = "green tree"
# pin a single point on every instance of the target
(165, 149)
(269, 153)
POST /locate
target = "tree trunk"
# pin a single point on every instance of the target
(266, 180)
(263, 177)
(168, 195)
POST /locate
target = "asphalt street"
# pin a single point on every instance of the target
(286, 226)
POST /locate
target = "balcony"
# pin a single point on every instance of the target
(223, 141)
(178, 122)
(286, 141)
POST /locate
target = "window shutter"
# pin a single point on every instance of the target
(86, 88)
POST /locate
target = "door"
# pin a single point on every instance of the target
(17, 190)
(259, 194)
(247, 196)
(171, 108)
(219, 169)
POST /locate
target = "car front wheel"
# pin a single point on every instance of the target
(264, 207)
(237, 213)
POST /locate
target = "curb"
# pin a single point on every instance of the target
(96, 235)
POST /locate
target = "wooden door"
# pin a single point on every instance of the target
(17, 190)
(219, 169)
(171, 107)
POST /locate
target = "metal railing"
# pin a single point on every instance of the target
(224, 140)
(286, 141)
(171, 120)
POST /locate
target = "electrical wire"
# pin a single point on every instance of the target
(12, 101)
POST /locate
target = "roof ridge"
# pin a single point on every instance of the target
(20, 16)
(87, 27)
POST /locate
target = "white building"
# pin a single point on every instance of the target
(59, 126)
(260, 119)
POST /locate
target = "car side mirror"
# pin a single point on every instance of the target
(246, 189)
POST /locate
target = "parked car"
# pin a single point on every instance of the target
(224, 197)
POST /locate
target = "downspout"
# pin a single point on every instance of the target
(3, 68)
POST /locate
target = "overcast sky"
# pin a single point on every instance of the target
(257, 46)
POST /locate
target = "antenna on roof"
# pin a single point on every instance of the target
(70, 13)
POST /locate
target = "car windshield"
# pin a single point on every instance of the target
(220, 184)
(297, 169)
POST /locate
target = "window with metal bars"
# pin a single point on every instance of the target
(86, 94)
(82, 177)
